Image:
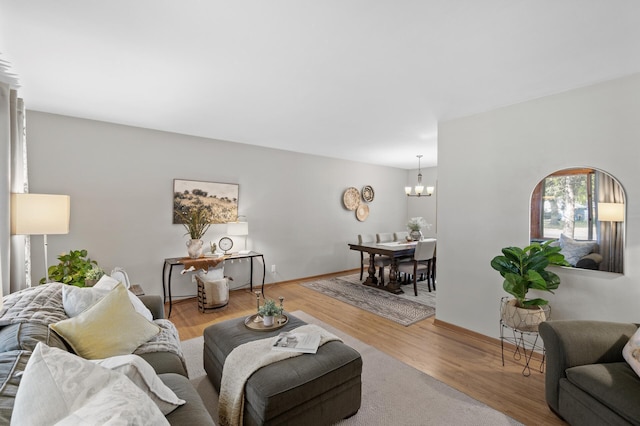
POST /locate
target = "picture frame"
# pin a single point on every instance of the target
(221, 199)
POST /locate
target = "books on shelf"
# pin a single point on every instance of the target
(296, 342)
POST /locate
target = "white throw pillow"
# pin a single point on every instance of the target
(108, 283)
(574, 250)
(631, 352)
(61, 388)
(75, 300)
(110, 327)
(142, 374)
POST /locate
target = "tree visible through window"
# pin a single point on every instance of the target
(563, 203)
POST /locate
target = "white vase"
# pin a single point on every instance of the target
(521, 318)
(267, 320)
(194, 248)
(416, 235)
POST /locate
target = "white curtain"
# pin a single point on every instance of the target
(14, 249)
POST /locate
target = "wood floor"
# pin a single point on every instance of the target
(466, 362)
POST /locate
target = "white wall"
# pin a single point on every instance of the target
(120, 180)
(488, 166)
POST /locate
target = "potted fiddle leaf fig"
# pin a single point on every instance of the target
(524, 269)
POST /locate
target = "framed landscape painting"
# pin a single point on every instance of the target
(221, 199)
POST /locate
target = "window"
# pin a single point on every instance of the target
(584, 204)
(564, 203)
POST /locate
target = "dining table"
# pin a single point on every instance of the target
(394, 250)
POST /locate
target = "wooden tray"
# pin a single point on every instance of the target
(259, 326)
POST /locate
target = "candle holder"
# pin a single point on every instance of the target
(258, 318)
(281, 316)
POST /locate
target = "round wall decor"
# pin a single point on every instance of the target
(367, 193)
(351, 198)
(362, 212)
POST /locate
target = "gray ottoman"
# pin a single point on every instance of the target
(310, 389)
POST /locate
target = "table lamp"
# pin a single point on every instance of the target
(238, 229)
(40, 214)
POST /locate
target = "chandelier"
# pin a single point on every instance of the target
(419, 188)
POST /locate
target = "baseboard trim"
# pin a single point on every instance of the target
(478, 336)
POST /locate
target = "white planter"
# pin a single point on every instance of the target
(521, 318)
(194, 248)
(267, 320)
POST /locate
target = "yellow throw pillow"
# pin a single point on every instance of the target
(110, 327)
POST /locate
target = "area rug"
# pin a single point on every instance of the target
(405, 309)
(393, 393)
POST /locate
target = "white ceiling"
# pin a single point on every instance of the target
(364, 80)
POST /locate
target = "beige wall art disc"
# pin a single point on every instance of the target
(351, 198)
(362, 212)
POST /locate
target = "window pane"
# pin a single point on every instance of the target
(566, 208)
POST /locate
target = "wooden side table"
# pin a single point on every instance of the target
(137, 290)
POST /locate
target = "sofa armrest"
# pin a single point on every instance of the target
(590, 261)
(154, 303)
(569, 343)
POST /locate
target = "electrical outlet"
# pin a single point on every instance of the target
(273, 269)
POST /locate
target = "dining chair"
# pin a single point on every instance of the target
(422, 263)
(383, 237)
(379, 261)
(400, 236)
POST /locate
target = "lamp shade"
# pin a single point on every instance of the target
(237, 228)
(611, 212)
(40, 214)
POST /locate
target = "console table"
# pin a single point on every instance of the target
(169, 263)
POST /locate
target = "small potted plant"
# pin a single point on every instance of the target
(72, 268)
(92, 276)
(415, 226)
(522, 270)
(268, 310)
(196, 220)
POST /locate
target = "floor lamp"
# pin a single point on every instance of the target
(40, 214)
(239, 229)
(611, 212)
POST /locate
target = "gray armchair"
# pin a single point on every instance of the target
(587, 380)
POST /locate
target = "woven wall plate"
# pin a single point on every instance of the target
(362, 212)
(367, 193)
(351, 198)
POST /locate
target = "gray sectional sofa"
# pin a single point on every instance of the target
(588, 381)
(19, 336)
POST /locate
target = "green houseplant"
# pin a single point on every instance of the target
(268, 310)
(93, 275)
(72, 269)
(524, 269)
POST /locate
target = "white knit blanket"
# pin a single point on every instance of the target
(245, 360)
